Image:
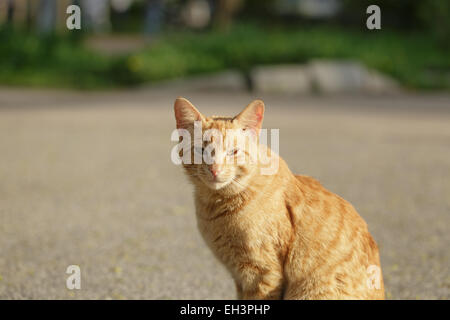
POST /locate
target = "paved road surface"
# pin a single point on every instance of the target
(86, 179)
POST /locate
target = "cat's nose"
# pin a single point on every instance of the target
(214, 171)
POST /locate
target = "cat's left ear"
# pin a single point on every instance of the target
(252, 116)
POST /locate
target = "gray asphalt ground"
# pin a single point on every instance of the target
(86, 179)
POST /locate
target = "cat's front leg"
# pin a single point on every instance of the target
(263, 291)
(260, 286)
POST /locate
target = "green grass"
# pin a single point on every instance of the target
(29, 60)
(415, 60)
(408, 58)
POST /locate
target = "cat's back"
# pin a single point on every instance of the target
(332, 244)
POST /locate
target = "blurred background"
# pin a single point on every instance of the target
(86, 117)
(125, 43)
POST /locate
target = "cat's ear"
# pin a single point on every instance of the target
(186, 113)
(252, 116)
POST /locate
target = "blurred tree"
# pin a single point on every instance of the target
(154, 16)
(46, 16)
(9, 11)
(13, 12)
(121, 5)
(96, 15)
(20, 12)
(260, 8)
(31, 13)
(197, 13)
(435, 14)
(224, 12)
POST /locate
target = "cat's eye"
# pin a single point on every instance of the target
(233, 152)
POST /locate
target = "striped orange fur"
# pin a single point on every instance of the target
(281, 236)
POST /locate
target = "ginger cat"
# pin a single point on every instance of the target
(281, 236)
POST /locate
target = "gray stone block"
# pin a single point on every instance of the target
(377, 82)
(281, 79)
(334, 76)
(337, 76)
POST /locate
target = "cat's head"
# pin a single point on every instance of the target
(227, 147)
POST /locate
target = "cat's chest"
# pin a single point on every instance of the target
(250, 236)
(230, 235)
(236, 226)
(226, 221)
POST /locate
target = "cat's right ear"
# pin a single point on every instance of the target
(186, 113)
